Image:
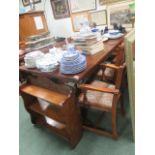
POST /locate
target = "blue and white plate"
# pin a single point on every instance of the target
(75, 62)
(69, 56)
(73, 71)
(72, 62)
(113, 32)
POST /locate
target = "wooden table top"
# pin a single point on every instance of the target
(92, 62)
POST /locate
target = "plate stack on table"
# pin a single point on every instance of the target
(72, 62)
(88, 43)
(56, 53)
(47, 63)
(113, 34)
(31, 58)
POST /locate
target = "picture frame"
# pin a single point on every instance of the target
(82, 5)
(120, 13)
(26, 2)
(36, 1)
(106, 2)
(60, 8)
(99, 17)
(78, 18)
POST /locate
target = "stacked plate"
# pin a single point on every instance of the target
(47, 63)
(30, 58)
(113, 34)
(72, 62)
(56, 53)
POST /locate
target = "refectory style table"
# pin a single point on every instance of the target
(59, 92)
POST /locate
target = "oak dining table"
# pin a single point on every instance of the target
(93, 62)
(57, 80)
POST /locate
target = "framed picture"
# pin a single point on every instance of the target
(105, 2)
(26, 2)
(36, 1)
(60, 8)
(120, 14)
(99, 17)
(82, 5)
(78, 19)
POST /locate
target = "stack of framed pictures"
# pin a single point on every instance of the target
(79, 12)
(27, 2)
(120, 13)
(99, 17)
(106, 2)
(82, 5)
(78, 18)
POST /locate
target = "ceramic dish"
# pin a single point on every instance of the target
(69, 56)
(113, 32)
(76, 61)
(46, 65)
(73, 71)
(112, 36)
(31, 58)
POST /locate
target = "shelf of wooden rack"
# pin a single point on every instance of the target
(62, 132)
(56, 115)
(61, 116)
(45, 94)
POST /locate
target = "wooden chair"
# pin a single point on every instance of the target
(103, 96)
(117, 58)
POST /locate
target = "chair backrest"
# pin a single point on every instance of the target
(119, 76)
(120, 55)
(119, 61)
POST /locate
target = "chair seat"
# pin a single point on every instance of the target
(98, 100)
(109, 72)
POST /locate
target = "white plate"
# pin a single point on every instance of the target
(113, 36)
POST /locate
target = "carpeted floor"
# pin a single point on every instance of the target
(39, 141)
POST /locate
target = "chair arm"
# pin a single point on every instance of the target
(113, 66)
(93, 88)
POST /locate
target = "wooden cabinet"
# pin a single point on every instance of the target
(32, 23)
(62, 111)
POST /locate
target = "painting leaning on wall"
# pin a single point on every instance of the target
(120, 13)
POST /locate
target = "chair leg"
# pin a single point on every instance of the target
(84, 112)
(113, 134)
(114, 124)
(122, 105)
(98, 130)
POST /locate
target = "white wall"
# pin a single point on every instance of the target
(59, 27)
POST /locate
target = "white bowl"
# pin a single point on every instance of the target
(113, 32)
